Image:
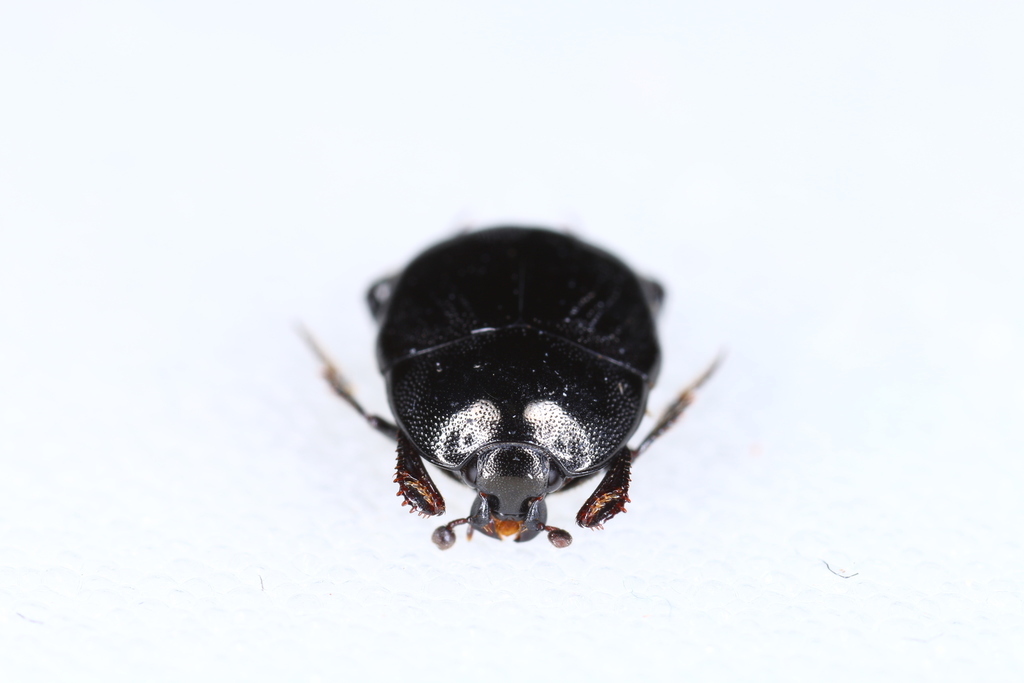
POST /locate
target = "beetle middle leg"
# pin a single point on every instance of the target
(612, 494)
(337, 382)
(414, 482)
(676, 409)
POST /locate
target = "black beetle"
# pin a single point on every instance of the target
(517, 360)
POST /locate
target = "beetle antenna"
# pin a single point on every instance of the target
(444, 536)
(560, 538)
(676, 409)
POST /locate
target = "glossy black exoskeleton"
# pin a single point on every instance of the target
(517, 360)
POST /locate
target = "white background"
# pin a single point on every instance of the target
(833, 194)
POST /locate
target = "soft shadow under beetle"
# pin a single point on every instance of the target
(517, 360)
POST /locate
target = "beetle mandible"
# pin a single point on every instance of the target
(518, 361)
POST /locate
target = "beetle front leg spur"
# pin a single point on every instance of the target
(612, 494)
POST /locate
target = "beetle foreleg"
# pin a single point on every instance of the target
(414, 482)
(337, 382)
(611, 495)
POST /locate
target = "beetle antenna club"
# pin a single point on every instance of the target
(516, 391)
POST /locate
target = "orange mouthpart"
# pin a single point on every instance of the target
(507, 527)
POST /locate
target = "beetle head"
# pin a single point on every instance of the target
(511, 475)
(512, 480)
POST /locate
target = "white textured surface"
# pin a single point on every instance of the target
(833, 195)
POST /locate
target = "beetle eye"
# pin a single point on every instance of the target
(554, 478)
(469, 473)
